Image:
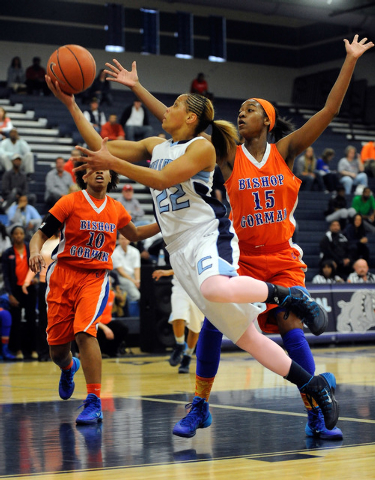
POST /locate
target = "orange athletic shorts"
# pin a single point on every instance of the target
(75, 300)
(279, 264)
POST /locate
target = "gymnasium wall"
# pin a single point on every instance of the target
(265, 53)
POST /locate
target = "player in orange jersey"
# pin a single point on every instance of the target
(263, 195)
(77, 280)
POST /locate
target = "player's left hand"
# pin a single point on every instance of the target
(356, 48)
(94, 161)
(36, 262)
(117, 73)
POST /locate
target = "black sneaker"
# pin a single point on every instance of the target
(177, 354)
(311, 313)
(322, 388)
(185, 364)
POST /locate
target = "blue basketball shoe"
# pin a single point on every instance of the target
(301, 304)
(198, 417)
(92, 413)
(66, 385)
(321, 388)
(315, 426)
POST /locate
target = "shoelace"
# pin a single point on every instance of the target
(191, 417)
(67, 378)
(89, 405)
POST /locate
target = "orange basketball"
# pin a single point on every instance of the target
(73, 67)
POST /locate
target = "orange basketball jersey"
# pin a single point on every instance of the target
(89, 231)
(262, 195)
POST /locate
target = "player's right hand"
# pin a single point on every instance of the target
(36, 262)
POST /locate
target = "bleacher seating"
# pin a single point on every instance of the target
(46, 124)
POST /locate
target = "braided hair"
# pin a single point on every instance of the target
(224, 134)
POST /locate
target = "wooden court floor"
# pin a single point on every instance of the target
(257, 430)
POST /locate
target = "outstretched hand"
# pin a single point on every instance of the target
(117, 73)
(56, 90)
(95, 161)
(356, 49)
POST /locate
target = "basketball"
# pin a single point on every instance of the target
(73, 67)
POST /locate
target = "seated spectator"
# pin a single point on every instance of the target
(35, 81)
(365, 205)
(330, 179)
(21, 213)
(132, 205)
(338, 208)
(15, 184)
(111, 332)
(47, 249)
(351, 170)
(355, 232)
(335, 246)
(5, 326)
(16, 76)
(127, 263)
(327, 273)
(15, 145)
(75, 156)
(135, 121)
(22, 340)
(58, 182)
(100, 89)
(112, 129)
(305, 170)
(368, 158)
(95, 116)
(5, 124)
(200, 86)
(361, 273)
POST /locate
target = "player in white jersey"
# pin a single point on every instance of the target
(201, 241)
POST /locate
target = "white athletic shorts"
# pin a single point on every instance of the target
(202, 253)
(183, 308)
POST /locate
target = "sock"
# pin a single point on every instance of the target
(298, 375)
(94, 388)
(299, 350)
(276, 294)
(203, 387)
(189, 352)
(68, 367)
(180, 340)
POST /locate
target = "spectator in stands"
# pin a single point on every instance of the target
(15, 145)
(305, 169)
(368, 158)
(127, 263)
(15, 183)
(112, 129)
(21, 213)
(338, 208)
(351, 170)
(35, 78)
(335, 246)
(15, 260)
(101, 89)
(327, 273)
(58, 182)
(75, 156)
(111, 332)
(16, 76)
(199, 85)
(355, 232)
(47, 249)
(361, 273)
(135, 121)
(5, 124)
(329, 176)
(365, 205)
(95, 116)
(132, 205)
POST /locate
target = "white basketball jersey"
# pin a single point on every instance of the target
(188, 204)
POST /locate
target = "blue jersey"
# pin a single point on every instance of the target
(186, 205)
